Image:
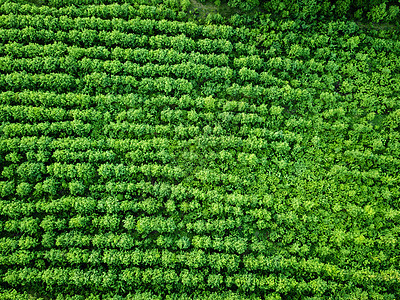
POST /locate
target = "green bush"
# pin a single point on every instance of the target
(377, 13)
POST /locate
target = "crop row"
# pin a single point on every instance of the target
(103, 83)
(150, 197)
(135, 25)
(127, 107)
(89, 38)
(192, 69)
(78, 128)
(217, 143)
(83, 67)
(105, 11)
(31, 114)
(93, 83)
(134, 278)
(137, 55)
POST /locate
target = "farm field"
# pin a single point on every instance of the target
(146, 153)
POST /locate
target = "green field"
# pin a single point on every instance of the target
(185, 150)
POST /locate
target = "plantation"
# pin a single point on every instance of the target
(148, 151)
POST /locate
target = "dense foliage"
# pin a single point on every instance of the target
(147, 156)
(372, 10)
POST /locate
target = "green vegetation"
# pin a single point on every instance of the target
(372, 10)
(149, 150)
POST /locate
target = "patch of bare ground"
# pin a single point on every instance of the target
(202, 10)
